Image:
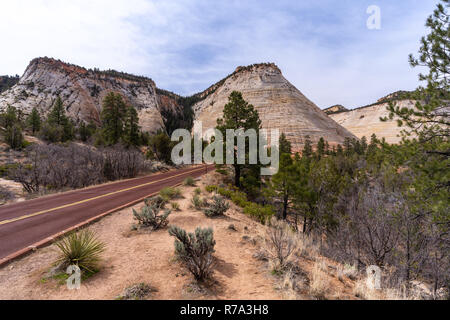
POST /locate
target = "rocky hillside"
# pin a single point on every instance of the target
(365, 121)
(280, 105)
(83, 90)
(6, 82)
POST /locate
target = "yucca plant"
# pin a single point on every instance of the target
(82, 249)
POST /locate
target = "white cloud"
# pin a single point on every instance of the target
(322, 48)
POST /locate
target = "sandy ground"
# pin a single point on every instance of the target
(132, 257)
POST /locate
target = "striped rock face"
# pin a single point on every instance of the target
(365, 121)
(280, 106)
(82, 92)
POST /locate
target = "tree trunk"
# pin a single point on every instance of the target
(237, 176)
(285, 207)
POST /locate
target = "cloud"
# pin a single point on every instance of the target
(323, 47)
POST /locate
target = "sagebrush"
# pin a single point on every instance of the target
(195, 250)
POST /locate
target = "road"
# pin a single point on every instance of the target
(26, 223)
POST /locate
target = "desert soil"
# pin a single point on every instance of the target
(134, 257)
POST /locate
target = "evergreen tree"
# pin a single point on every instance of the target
(34, 121)
(9, 117)
(160, 147)
(285, 145)
(238, 114)
(320, 148)
(113, 117)
(131, 128)
(57, 115)
(14, 137)
(58, 128)
(283, 185)
(307, 149)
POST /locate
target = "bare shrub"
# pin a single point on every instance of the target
(5, 195)
(56, 167)
(195, 250)
(137, 292)
(281, 243)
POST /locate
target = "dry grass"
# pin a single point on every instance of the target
(362, 291)
(319, 285)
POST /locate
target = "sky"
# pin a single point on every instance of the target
(323, 47)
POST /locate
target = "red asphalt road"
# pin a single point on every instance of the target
(26, 231)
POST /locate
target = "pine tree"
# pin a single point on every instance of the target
(238, 114)
(283, 185)
(14, 137)
(285, 145)
(320, 148)
(307, 149)
(113, 117)
(58, 126)
(57, 115)
(34, 121)
(9, 117)
(131, 128)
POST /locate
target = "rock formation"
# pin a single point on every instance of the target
(280, 105)
(365, 121)
(335, 109)
(82, 91)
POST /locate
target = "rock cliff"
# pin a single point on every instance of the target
(280, 105)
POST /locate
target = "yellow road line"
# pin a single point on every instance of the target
(91, 199)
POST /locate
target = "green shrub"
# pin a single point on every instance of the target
(4, 169)
(239, 199)
(189, 181)
(259, 212)
(217, 208)
(82, 249)
(198, 203)
(157, 200)
(198, 191)
(175, 206)
(225, 192)
(211, 188)
(149, 217)
(170, 193)
(195, 250)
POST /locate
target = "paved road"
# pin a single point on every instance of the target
(25, 223)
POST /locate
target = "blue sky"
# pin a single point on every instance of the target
(323, 47)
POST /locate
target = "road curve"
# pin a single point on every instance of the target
(26, 223)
